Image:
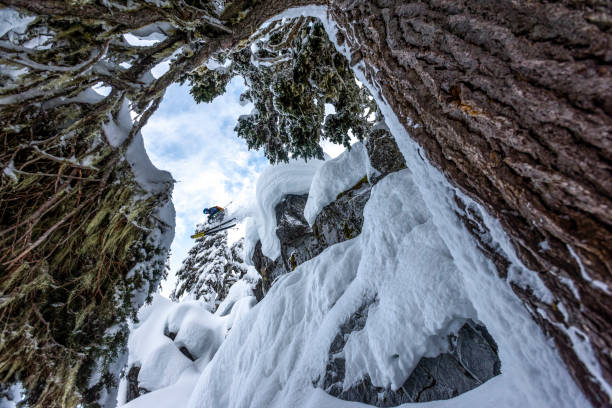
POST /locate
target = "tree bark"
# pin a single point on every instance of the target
(513, 102)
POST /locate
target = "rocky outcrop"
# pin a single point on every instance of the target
(383, 153)
(339, 221)
(133, 389)
(471, 360)
(512, 101)
(298, 243)
(342, 219)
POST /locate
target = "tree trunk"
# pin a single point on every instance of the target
(513, 102)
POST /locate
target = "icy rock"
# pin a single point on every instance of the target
(298, 242)
(334, 177)
(384, 153)
(133, 388)
(337, 222)
(343, 218)
(471, 359)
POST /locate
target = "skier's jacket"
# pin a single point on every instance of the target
(212, 210)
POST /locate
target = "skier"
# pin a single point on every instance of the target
(215, 216)
(213, 212)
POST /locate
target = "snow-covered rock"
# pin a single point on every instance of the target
(334, 177)
(273, 184)
(173, 342)
(400, 263)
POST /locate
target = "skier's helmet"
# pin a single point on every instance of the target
(205, 211)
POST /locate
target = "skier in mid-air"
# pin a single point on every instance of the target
(213, 211)
(215, 214)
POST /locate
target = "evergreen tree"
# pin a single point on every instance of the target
(292, 71)
(77, 227)
(210, 269)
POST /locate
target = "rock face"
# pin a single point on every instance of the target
(133, 389)
(342, 219)
(471, 360)
(512, 101)
(339, 221)
(298, 243)
(384, 154)
(471, 356)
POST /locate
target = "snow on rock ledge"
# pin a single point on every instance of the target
(273, 184)
(400, 262)
(173, 342)
(334, 177)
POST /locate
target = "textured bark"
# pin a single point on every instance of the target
(514, 101)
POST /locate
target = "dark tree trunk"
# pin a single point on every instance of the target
(514, 101)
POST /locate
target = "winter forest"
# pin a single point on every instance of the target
(395, 203)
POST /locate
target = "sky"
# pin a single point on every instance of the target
(210, 163)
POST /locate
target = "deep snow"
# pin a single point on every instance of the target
(164, 370)
(334, 177)
(400, 259)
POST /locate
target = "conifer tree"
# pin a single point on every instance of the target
(292, 71)
(79, 238)
(210, 269)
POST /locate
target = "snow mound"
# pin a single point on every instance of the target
(334, 177)
(173, 343)
(273, 184)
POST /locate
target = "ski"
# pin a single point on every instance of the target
(211, 231)
(206, 231)
(220, 224)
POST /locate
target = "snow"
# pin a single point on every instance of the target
(414, 262)
(424, 274)
(15, 394)
(155, 353)
(147, 175)
(102, 89)
(401, 261)
(594, 282)
(241, 289)
(149, 35)
(164, 369)
(116, 131)
(9, 171)
(174, 396)
(334, 177)
(12, 21)
(273, 184)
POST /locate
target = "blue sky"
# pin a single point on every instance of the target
(211, 165)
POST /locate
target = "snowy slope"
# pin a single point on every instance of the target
(164, 328)
(400, 258)
(425, 269)
(419, 265)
